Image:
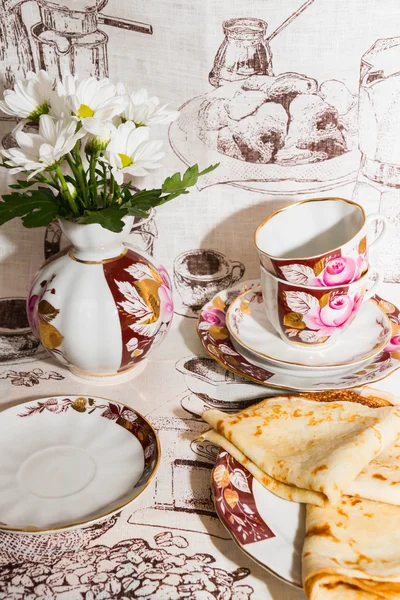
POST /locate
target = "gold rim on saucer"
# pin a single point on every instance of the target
(288, 362)
(88, 522)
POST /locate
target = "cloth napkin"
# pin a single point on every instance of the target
(313, 452)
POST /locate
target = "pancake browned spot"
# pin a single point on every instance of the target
(354, 501)
(322, 530)
(318, 469)
(258, 431)
(379, 476)
(347, 396)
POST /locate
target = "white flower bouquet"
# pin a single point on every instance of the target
(90, 134)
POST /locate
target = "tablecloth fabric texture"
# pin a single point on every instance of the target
(169, 544)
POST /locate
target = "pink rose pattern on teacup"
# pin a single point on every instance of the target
(394, 344)
(328, 270)
(313, 320)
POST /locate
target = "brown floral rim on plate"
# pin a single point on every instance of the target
(115, 411)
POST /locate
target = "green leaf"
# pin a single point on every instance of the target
(176, 183)
(109, 218)
(209, 169)
(38, 208)
(21, 184)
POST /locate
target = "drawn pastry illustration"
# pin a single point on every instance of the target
(276, 132)
(165, 566)
(199, 274)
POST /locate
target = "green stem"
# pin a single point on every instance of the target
(42, 179)
(79, 181)
(112, 188)
(104, 186)
(93, 179)
(66, 194)
(82, 175)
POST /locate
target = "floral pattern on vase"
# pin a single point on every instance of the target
(100, 317)
(143, 296)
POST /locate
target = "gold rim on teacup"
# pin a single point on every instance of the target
(309, 200)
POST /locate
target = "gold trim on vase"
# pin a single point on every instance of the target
(308, 347)
(33, 529)
(97, 262)
(77, 372)
(285, 208)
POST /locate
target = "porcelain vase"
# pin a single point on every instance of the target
(98, 306)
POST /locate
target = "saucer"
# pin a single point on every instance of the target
(249, 325)
(69, 461)
(218, 343)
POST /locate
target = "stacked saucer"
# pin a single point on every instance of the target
(348, 364)
(313, 322)
(253, 336)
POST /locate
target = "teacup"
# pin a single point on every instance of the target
(318, 242)
(314, 316)
(200, 274)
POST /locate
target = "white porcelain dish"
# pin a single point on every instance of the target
(69, 461)
(249, 326)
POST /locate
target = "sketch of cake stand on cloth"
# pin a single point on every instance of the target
(303, 171)
(280, 134)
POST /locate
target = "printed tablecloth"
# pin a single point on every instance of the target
(169, 543)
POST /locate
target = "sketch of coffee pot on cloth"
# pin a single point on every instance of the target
(66, 36)
(245, 50)
(15, 48)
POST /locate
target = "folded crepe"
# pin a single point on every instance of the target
(352, 551)
(308, 451)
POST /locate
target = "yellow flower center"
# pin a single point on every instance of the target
(85, 111)
(125, 159)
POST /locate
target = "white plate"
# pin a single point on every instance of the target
(68, 461)
(218, 343)
(249, 326)
(267, 528)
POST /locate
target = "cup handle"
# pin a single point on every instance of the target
(385, 227)
(378, 280)
(241, 268)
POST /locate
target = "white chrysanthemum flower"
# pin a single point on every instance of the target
(93, 102)
(96, 143)
(59, 107)
(38, 152)
(131, 151)
(142, 110)
(30, 97)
